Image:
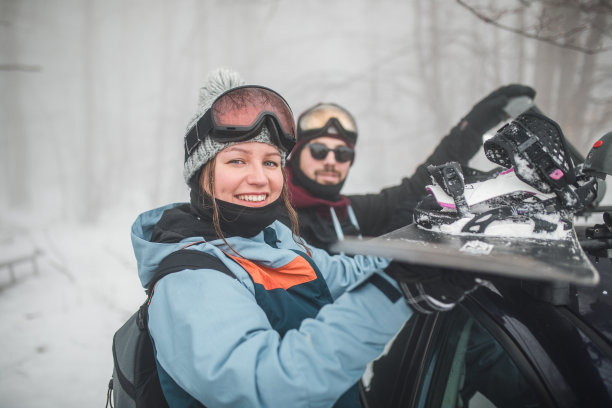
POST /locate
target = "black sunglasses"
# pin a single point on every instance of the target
(319, 151)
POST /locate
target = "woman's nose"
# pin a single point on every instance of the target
(257, 175)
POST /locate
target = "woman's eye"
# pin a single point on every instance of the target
(236, 161)
(271, 163)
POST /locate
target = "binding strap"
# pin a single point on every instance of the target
(450, 178)
(535, 146)
(480, 222)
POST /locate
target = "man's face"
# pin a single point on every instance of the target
(327, 171)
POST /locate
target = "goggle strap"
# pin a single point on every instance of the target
(312, 133)
(193, 139)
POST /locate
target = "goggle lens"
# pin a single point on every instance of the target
(323, 116)
(236, 114)
(243, 108)
(319, 151)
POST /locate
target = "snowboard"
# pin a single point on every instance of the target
(560, 260)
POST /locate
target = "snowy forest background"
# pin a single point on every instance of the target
(96, 94)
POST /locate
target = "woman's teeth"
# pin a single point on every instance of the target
(252, 197)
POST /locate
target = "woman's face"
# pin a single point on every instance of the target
(248, 174)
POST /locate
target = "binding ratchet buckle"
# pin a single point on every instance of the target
(450, 178)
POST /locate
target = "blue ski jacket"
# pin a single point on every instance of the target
(213, 334)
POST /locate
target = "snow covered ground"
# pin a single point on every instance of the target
(57, 325)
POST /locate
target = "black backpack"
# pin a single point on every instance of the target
(135, 383)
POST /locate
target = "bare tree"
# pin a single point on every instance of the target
(571, 36)
(429, 53)
(583, 94)
(160, 136)
(548, 20)
(521, 48)
(14, 154)
(88, 184)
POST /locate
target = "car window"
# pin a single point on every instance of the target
(469, 368)
(381, 384)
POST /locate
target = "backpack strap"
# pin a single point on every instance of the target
(187, 259)
(175, 262)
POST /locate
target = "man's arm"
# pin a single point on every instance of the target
(465, 139)
(392, 207)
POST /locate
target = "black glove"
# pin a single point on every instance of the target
(429, 289)
(489, 111)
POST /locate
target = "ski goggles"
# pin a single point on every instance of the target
(239, 114)
(319, 151)
(326, 118)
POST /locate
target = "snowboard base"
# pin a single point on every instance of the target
(561, 260)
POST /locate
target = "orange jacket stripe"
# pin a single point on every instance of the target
(294, 273)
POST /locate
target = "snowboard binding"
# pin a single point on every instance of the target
(535, 147)
(538, 190)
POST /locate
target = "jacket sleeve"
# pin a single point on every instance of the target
(393, 207)
(341, 272)
(212, 338)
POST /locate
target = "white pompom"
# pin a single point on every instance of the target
(219, 81)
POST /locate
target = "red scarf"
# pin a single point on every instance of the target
(301, 198)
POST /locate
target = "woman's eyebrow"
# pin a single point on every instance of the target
(247, 151)
(275, 153)
(233, 148)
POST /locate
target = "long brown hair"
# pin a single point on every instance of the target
(208, 176)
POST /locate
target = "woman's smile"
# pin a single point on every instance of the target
(253, 198)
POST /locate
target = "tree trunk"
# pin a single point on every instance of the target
(579, 125)
(495, 57)
(160, 137)
(436, 99)
(13, 138)
(88, 184)
(520, 49)
(566, 65)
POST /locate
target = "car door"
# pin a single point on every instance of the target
(452, 360)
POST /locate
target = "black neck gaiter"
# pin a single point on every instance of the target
(324, 191)
(234, 219)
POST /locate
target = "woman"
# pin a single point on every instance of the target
(296, 326)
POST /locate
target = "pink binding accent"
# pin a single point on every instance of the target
(445, 205)
(510, 170)
(556, 175)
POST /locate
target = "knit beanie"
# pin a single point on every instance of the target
(218, 82)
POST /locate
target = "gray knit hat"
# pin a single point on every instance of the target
(218, 82)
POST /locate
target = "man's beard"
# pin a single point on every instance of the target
(329, 169)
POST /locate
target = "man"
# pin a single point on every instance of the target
(324, 153)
